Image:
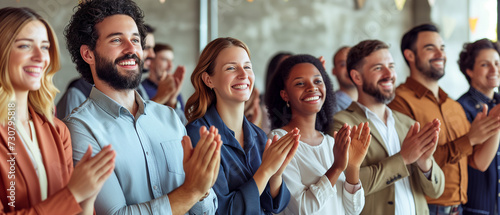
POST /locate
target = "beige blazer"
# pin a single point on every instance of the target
(379, 171)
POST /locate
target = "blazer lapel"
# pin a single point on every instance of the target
(360, 114)
(48, 148)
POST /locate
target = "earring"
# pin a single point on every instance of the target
(288, 105)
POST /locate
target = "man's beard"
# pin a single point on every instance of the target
(429, 72)
(377, 94)
(108, 72)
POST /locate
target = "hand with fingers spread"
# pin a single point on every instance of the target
(341, 148)
(417, 141)
(91, 172)
(201, 164)
(484, 126)
(425, 161)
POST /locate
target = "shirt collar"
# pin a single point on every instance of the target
(480, 97)
(372, 116)
(214, 118)
(112, 107)
(421, 91)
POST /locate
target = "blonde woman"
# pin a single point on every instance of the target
(36, 172)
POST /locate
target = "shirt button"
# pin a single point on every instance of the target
(498, 180)
(155, 187)
(499, 195)
(147, 153)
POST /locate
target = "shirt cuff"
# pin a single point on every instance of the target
(352, 188)
(428, 173)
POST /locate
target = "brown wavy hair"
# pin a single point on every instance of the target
(203, 96)
(12, 21)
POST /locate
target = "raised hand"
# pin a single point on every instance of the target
(484, 126)
(277, 151)
(166, 89)
(91, 172)
(178, 78)
(323, 61)
(360, 141)
(201, 164)
(425, 162)
(341, 148)
(417, 141)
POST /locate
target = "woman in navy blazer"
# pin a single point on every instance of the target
(250, 175)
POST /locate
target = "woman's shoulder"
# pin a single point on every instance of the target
(278, 131)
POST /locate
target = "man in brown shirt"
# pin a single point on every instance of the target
(422, 99)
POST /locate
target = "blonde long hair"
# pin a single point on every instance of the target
(12, 21)
(203, 96)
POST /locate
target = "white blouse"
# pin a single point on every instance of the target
(311, 191)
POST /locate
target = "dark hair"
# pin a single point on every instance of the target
(279, 114)
(162, 47)
(357, 54)
(467, 57)
(273, 65)
(338, 51)
(81, 28)
(410, 37)
(149, 29)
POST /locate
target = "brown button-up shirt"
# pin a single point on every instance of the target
(418, 102)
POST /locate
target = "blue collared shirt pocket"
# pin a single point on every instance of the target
(173, 152)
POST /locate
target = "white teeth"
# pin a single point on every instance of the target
(314, 98)
(33, 69)
(127, 63)
(241, 86)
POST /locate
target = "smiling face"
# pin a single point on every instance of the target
(378, 76)
(29, 57)
(430, 57)
(304, 89)
(485, 76)
(232, 79)
(118, 52)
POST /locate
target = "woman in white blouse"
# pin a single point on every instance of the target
(302, 96)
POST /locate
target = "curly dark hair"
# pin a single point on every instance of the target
(279, 114)
(410, 38)
(467, 57)
(81, 28)
(357, 54)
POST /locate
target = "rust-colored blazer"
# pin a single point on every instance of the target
(55, 145)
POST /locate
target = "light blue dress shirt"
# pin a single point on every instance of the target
(149, 154)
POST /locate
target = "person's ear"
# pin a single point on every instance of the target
(207, 80)
(87, 54)
(284, 95)
(409, 55)
(356, 77)
(469, 72)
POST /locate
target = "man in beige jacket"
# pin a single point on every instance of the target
(399, 169)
